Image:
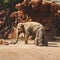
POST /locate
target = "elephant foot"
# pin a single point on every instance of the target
(37, 44)
(45, 44)
(26, 42)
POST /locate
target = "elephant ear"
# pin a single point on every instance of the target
(22, 26)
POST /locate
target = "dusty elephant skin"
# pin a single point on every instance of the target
(28, 28)
(41, 38)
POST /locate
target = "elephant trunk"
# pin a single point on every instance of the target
(13, 42)
(17, 37)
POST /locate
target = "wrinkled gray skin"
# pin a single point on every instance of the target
(40, 38)
(28, 28)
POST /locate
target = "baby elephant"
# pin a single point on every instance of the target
(28, 28)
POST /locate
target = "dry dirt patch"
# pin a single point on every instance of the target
(20, 51)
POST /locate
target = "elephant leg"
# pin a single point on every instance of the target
(26, 37)
(39, 37)
(44, 39)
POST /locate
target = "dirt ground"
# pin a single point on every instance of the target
(20, 51)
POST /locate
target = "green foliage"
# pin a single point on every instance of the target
(6, 1)
(9, 3)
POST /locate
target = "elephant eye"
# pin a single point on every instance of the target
(18, 28)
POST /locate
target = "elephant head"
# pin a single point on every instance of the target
(20, 28)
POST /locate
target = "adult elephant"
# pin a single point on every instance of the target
(29, 28)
